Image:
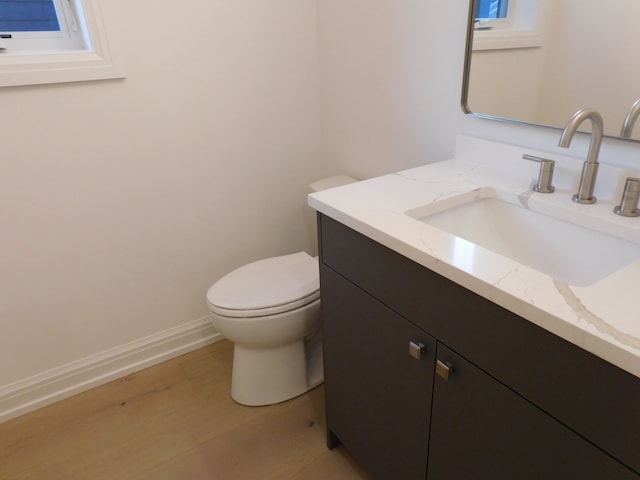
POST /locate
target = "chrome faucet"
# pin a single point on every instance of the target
(629, 122)
(590, 166)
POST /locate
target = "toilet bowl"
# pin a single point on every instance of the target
(270, 309)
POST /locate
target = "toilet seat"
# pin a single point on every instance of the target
(267, 287)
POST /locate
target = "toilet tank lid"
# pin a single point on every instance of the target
(267, 283)
(331, 182)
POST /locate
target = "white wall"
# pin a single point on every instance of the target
(391, 75)
(121, 202)
(391, 72)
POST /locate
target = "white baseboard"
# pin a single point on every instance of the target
(51, 386)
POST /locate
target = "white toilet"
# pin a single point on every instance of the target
(270, 309)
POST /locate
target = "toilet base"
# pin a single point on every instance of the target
(264, 376)
(315, 361)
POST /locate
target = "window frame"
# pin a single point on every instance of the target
(518, 30)
(503, 10)
(101, 59)
(71, 36)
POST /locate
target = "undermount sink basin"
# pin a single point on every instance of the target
(568, 252)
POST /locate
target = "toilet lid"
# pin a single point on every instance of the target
(267, 287)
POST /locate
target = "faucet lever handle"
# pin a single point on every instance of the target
(629, 202)
(545, 177)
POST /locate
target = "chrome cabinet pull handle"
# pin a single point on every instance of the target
(443, 370)
(416, 350)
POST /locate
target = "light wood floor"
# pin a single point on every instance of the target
(173, 421)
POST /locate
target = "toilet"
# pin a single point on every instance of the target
(270, 309)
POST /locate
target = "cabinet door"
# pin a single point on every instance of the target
(592, 397)
(481, 430)
(378, 395)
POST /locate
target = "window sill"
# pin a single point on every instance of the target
(57, 68)
(503, 40)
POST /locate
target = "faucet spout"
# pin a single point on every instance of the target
(590, 167)
(629, 122)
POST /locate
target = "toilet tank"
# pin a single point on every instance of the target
(331, 182)
(310, 217)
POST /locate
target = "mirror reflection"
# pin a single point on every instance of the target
(539, 61)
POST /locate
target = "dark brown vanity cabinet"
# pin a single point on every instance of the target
(379, 396)
(425, 379)
(483, 430)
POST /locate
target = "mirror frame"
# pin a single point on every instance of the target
(466, 80)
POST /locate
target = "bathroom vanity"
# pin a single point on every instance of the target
(446, 360)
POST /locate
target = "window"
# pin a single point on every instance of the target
(28, 15)
(50, 41)
(43, 26)
(502, 24)
(492, 9)
(495, 14)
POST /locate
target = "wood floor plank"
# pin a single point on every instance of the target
(172, 421)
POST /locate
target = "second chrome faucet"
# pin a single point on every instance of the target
(590, 167)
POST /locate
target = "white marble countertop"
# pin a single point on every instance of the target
(602, 317)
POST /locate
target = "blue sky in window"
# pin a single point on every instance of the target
(492, 8)
(28, 16)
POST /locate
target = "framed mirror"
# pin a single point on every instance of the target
(539, 61)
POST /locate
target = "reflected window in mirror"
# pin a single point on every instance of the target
(492, 8)
(501, 24)
(491, 13)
